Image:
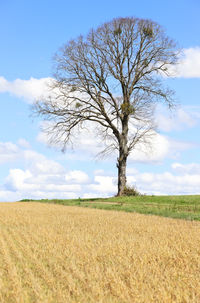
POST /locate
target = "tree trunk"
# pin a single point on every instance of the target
(122, 160)
(121, 165)
(123, 153)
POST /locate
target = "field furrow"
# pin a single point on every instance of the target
(51, 253)
(11, 277)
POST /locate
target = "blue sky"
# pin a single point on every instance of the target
(31, 32)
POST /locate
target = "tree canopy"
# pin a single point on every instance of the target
(112, 77)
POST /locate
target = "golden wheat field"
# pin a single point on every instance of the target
(53, 253)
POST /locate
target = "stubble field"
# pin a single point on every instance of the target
(53, 253)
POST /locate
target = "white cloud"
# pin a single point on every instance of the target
(177, 147)
(167, 183)
(39, 164)
(40, 177)
(104, 185)
(86, 142)
(92, 195)
(156, 152)
(189, 64)
(23, 143)
(30, 90)
(131, 170)
(87, 145)
(77, 176)
(31, 184)
(16, 180)
(9, 196)
(45, 178)
(8, 152)
(72, 184)
(179, 119)
(191, 168)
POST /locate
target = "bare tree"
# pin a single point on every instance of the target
(112, 77)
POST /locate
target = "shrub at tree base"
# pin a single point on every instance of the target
(130, 191)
